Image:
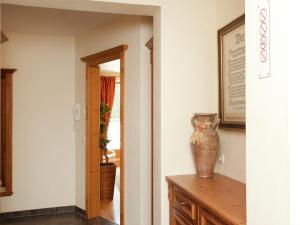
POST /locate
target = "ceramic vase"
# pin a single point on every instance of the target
(205, 143)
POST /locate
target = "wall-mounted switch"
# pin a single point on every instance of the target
(77, 112)
(221, 158)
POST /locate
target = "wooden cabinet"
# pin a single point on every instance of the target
(206, 201)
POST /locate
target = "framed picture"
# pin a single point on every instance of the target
(232, 96)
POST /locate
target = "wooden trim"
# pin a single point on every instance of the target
(7, 71)
(3, 37)
(6, 130)
(6, 193)
(105, 56)
(93, 107)
(149, 45)
(92, 141)
(122, 138)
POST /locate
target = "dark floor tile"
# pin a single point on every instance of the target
(103, 221)
(65, 209)
(19, 214)
(79, 211)
(56, 219)
(18, 221)
(40, 212)
(44, 220)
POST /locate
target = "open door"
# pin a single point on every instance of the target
(92, 142)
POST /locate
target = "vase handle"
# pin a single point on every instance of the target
(216, 122)
(193, 121)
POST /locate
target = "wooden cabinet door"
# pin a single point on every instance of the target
(185, 205)
(209, 219)
(177, 219)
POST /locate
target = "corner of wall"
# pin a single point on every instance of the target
(232, 143)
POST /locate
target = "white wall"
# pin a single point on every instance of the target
(267, 121)
(43, 135)
(232, 143)
(294, 111)
(135, 32)
(157, 159)
(145, 108)
(188, 82)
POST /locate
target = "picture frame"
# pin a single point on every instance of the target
(231, 60)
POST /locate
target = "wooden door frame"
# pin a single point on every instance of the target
(6, 130)
(149, 45)
(93, 61)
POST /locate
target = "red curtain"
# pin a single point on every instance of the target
(107, 92)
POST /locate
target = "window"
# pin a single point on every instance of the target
(114, 129)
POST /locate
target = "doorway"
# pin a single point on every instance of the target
(110, 139)
(112, 209)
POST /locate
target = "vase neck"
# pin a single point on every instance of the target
(205, 121)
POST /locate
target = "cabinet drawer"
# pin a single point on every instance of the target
(178, 219)
(185, 205)
(207, 218)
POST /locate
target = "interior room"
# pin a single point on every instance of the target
(110, 100)
(210, 116)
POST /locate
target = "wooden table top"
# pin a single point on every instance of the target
(223, 195)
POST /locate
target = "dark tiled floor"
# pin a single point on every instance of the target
(57, 219)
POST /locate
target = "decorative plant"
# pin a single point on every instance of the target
(104, 111)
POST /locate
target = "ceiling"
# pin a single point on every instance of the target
(93, 6)
(35, 20)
